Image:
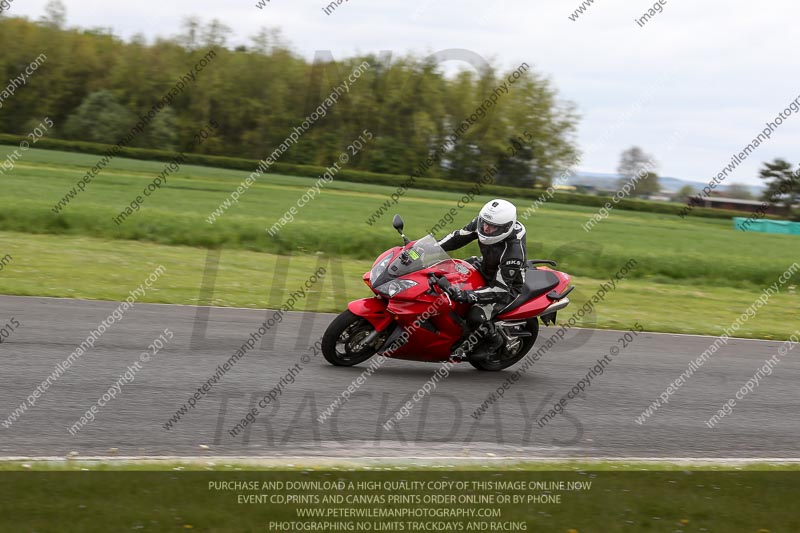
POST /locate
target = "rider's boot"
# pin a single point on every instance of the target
(493, 342)
(469, 348)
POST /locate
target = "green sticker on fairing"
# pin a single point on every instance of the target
(414, 254)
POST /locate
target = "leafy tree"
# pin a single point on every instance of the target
(739, 191)
(162, 132)
(683, 193)
(633, 160)
(216, 34)
(646, 185)
(190, 38)
(533, 106)
(95, 86)
(635, 164)
(267, 40)
(100, 118)
(783, 185)
(55, 14)
(514, 167)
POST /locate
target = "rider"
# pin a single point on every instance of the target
(502, 244)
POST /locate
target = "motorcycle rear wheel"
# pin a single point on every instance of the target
(341, 341)
(508, 358)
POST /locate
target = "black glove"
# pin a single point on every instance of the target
(462, 296)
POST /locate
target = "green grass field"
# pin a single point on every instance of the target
(693, 276)
(91, 268)
(613, 497)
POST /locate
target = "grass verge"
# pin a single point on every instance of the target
(341, 221)
(46, 265)
(560, 497)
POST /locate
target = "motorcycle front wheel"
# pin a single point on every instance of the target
(343, 341)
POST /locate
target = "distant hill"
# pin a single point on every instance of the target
(604, 181)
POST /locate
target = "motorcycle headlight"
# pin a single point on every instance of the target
(380, 268)
(396, 286)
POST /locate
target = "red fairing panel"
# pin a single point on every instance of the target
(374, 310)
(538, 305)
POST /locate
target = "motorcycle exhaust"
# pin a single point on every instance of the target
(548, 317)
(506, 329)
(556, 306)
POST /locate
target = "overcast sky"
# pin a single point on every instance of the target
(711, 72)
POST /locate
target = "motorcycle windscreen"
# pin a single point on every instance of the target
(424, 253)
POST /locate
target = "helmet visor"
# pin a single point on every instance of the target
(490, 229)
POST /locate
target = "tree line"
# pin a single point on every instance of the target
(94, 86)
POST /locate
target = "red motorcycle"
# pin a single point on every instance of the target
(412, 316)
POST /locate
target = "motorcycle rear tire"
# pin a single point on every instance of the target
(511, 359)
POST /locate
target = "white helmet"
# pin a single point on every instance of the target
(496, 221)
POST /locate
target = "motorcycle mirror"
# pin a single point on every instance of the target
(397, 222)
(443, 283)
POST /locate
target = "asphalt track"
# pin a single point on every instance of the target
(600, 423)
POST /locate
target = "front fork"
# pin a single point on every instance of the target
(370, 338)
(394, 339)
(375, 311)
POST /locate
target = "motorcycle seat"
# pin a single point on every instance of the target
(537, 282)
